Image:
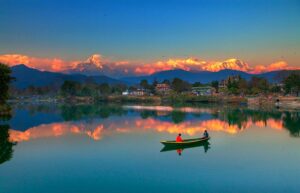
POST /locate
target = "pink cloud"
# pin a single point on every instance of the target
(48, 64)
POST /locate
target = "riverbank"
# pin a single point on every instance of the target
(256, 102)
(283, 102)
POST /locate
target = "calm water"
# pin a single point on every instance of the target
(113, 148)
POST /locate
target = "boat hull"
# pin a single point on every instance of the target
(185, 143)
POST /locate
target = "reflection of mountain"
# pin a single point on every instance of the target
(96, 121)
(96, 129)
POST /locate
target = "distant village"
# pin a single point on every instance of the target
(197, 89)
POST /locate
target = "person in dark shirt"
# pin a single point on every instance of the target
(205, 134)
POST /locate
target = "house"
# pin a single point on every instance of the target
(125, 93)
(139, 92)
(203, 90)
(162, 88)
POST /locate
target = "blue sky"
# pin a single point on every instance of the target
(255, 31)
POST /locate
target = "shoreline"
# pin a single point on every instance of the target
(283, 102)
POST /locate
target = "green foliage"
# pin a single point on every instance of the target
(197, 84)
(144, 84)
(291, 122)
(70, 88)
(166, 81)
(178, 116)
(6, 146)
(215, 84)
(275, 89)
(232, 87)
(259, 85)
(91, 89)
(118, 89)
(292, 84)
(154, 83)
(5, 80)
(179, 85)
(104, 89)
(78, 112)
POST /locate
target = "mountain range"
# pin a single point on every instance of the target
(26, 77)
(201, 76)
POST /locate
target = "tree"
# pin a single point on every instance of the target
(118, 88)
(292, 84)
(275, 89)
(154, 83)
(70, 88)
(104, 88)
(215, 84)
(197, 84)
(179, 85)
(232, 86)
(242, 86)
(5, 80)
(166, 81)
(144, 84)
(258, 85)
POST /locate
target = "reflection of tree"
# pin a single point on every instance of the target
(37, 108)
(291, 121)
(239, 117)
(77, 112)
(177, 116)
(236, 117)
(6, 147)
(146, 114)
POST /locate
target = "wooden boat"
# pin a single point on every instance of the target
(204, 144)
(186, 142)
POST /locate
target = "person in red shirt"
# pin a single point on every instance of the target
(178, 138)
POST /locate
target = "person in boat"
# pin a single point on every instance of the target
(205, 134)
(178, 138)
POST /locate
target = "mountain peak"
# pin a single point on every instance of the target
(20, 66)
(231, 63)
(95, 59)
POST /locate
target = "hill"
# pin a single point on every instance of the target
(26, 77)
(201, 76)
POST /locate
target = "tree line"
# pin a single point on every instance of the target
(239, 86)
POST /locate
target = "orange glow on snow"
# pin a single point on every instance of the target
(97, 131)
(98, 61)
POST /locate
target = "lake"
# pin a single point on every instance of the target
(116, 148)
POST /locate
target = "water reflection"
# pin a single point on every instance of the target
(96, 121)
(6, 145)
(291, 121)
